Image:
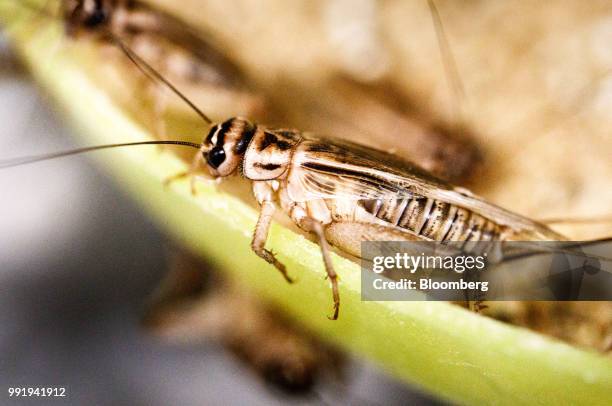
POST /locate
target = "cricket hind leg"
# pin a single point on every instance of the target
(318, 229)
(260, 236)
(348, 236)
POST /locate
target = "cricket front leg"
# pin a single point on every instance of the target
(261, 235)
(318, 229)
(196, 164)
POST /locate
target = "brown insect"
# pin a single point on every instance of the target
(177, 50)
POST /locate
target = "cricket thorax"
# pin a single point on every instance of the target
(269, 154)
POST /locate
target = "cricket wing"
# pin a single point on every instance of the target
(330, 169)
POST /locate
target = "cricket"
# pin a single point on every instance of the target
(343, 193)
(178, 52)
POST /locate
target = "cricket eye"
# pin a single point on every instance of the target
(215, 157)
(97, 17)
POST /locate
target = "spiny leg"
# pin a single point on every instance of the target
(261, 235)
(317, 228)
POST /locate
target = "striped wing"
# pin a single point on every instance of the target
(338, 169)
(330, 169)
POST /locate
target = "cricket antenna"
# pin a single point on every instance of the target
(150, 72)
(448, 61)
(577, 220)
(37, 158)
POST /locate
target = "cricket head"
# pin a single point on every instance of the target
(224, 147)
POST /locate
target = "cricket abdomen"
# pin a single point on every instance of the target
(433, 219)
